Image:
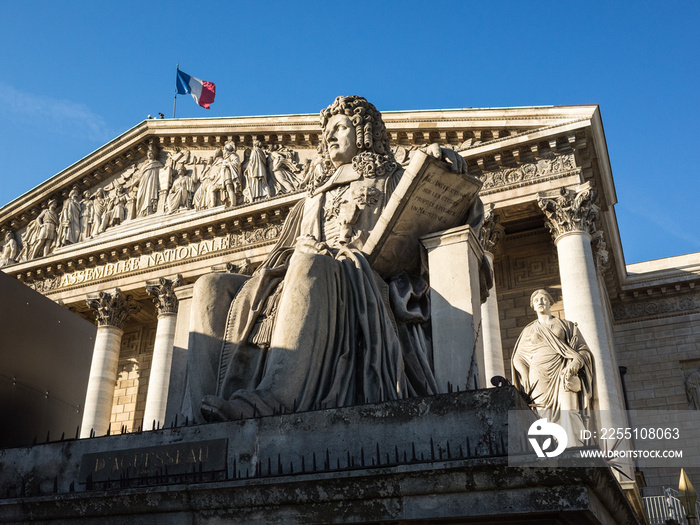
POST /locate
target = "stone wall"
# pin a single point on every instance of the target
(132, 377)
(659, 353)
(530, 264)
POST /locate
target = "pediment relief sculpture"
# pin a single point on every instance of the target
(166, 182)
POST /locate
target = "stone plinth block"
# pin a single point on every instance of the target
(455, 307)
(422, 460)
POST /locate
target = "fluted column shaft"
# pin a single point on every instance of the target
(571, 216)
(159, 380)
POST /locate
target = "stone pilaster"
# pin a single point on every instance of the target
(570, 216)
(163, 292)
(491, 234)
(113, 310)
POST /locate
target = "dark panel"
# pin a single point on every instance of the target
(45, 355)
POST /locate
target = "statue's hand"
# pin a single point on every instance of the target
(572, 370)
(454, 159)
(308, 244)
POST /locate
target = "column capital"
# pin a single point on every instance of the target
(570, 210)
(113, 308)
(491, 231)
(163, 292)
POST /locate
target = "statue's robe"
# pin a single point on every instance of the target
(538, 365)
(313, 329)
(149, 187)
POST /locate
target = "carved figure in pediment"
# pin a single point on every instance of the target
(10, 250)
(117, 211)
(69, 228)
(552, 363)
(229, 177)
(29, 238)
(282, 170)
(181, 193)
(692, 389)
(315, 171)
(256, 175)
(202, 196)
(174, 160)
(99, 212)
(314, 324)
(86, 216)
(47, 223)
(148, 184)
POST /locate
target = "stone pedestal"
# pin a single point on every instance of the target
(439, 459)
(113, 309)
(455, 307)
(159, 381)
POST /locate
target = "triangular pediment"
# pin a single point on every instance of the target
(168, 183)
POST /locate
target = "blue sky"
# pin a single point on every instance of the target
(76, 74)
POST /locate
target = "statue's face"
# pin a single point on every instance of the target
(340, 139)
(541, 304)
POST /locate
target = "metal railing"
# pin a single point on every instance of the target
(662, 508)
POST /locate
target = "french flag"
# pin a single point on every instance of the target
(202, 92)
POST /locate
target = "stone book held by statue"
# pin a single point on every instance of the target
(430, 197)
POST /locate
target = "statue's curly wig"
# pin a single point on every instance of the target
(370, 131)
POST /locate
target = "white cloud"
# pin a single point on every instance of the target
(49, 114)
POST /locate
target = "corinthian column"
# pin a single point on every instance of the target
(570, 216)
(113, 310)
(491, 235)
(166, 302)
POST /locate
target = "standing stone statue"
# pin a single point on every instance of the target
(86, 216)
(256, 175)
(99, 212)
(69, 228)
(117, 211)
(314, 325)
(149, 185)
(29, 239)
(230, 175)
(10, 250)
(281, 171)
(552, 363)
(47, 223)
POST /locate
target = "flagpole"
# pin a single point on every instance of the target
(175, 101)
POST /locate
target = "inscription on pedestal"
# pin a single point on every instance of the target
(151, 462)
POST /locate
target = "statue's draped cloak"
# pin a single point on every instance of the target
(317, 329)
(538, 366)
(149, 186)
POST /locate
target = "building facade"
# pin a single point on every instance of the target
(121, 236)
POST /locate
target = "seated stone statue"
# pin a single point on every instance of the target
(315, 325)
(552, 363)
